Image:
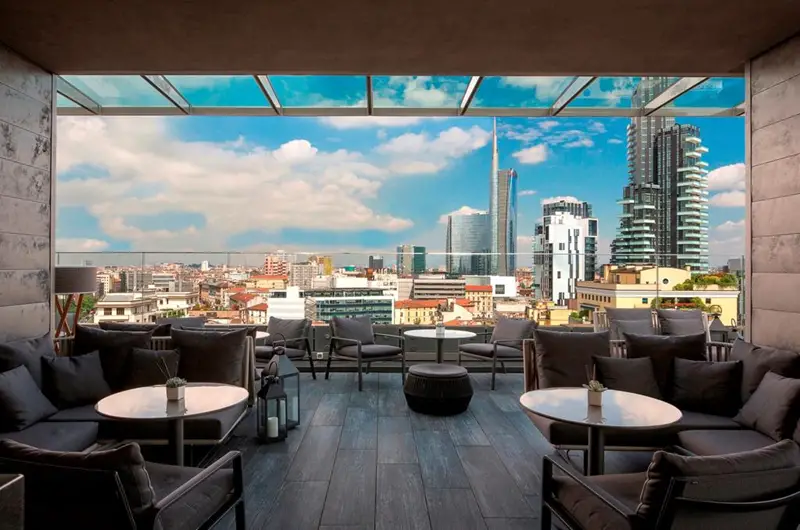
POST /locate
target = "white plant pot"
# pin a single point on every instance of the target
(175, 393)
(595, 398)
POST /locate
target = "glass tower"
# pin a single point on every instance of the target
(468, 244)
(502, 214)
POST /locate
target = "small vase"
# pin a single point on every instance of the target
(595, 398)
(175, 393)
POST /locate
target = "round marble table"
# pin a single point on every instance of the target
(620, 410)
(261, 335)
(150, 403)
(440, 337)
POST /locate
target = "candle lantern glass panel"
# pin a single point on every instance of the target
(271, 413)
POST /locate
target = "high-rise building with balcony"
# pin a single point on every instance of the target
(468, 243)
(502, 213)
(410, 259)
(302, 275)
(132, 280)
(376, 262)
(276, 265)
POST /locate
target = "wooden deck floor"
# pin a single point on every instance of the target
(363, 460)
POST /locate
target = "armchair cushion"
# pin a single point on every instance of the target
(211, 356)
(29, 353)
(680, 322)
(629, 315)
(114, 347)
(359, 328)
(758, 360)
(772, 409)
(21, 402)
(722, 442)
(370, 350)
(74, 381)
(710, 387)
(56, 436)
(562, 357)
(181, 322)
(591, 512)
(159, 330)
(662, 351)
(513, 329)
(282, 328)
(265, 353)
(639, 327)
(147, 367)
(628, 375)
(487, 350)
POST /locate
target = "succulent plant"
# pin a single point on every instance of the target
(175, 382)
(594, 386)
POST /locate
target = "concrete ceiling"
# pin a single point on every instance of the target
(423, 37)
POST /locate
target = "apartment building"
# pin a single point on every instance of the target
(481, 298)
(430, 287)
(418, 312)
(302, 275)
(185, 301)
(139, 307)
(268, 281)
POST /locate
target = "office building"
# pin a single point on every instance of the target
(437, 287)
(132, 280)
(503, 214)
(164, 281)
(579, 209)
(468, 243)
(410, 259)
(302, 275)
(323, 305)
(376, 263)
(571, 205)
(105, 283)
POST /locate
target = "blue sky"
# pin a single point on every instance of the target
(347, 184)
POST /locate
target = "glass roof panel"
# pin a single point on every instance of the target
(118, 90)
(64, 102)
(607, 92)
(526, 92)
(219, 90)
(418, 91)
(320, 90)
(716, 92)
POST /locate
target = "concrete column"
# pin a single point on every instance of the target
(27, 109)
(773, 196)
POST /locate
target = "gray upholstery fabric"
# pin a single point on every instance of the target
(82, 413)
(21, 402)
(487, 350)
(177, 323)
(710, 387)
(353, 328)
(513, 329)
(265, 353)
(628, 375)
(27, 352)
(281, 328)
(721, 442)
(662, 350)
(151, 367)
(114, 347)
(211, 356)
(588, 510)
(159, 330)
(771, 410)
(197, 506)
(679, 322)
(758, 360)
(74, 381)
(562, 358)
(629, 314)
(639, 327)
(56, 436)
(370, 350)
(437, 371)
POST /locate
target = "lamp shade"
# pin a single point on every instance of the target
(70, 280)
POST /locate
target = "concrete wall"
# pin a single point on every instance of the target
(773, 191)
(27, 109)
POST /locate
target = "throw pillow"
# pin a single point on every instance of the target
(627, 315)
(211, 356)
(151, 367)
(21, 401)
(353, 328)
(29, 353)
(125, 459)
(662, 350)
(628, 375)
(517, 329)
(562, 357)
(159, 330)
(114, 347)
(637, 327)
(282, 328)
(182, 322)
(679, 322)
(758, 360)
(74, 381)
(707, 387)
(770, 410)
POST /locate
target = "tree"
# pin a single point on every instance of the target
(88, 303)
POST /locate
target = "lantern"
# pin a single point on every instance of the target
(271, 412)
(284, 369)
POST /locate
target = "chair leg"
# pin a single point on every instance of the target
(311, 364)
(403, 368)
(241, 518)
(586, 462)
(366, 370)
(330, 358)
(360, 376)
(494, 370)
(459, 357)
(503, 366)
(545, 517)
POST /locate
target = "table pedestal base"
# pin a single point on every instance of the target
(176, 440)
(596, 452)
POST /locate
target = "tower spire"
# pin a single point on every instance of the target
(495, 162)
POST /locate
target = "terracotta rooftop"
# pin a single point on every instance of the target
(242, 297)
(464, 302)
(269, 277)
(478, 288)
(417, 304)
(259, 307)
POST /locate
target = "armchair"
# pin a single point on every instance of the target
(505, 344)
(291, 337)
(353, 339)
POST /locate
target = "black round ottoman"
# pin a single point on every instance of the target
(438, 389)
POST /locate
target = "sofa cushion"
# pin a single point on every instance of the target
(151, 367)
(562, 358)
(114, 347)
(211, 356)
(82, 413)
(629, 315)
(285, 329)
(758, 360)
(181, 322)
(27, 352)
(680, 322)
(21, 401)
(662, 350)
(771, 409)
(370, 350)
(704, 386)
(74, 381)
(588, 510)
(353, 328)
(517, 329)
(629, 375)
(56, 436)
(158, 330)
(637, 327)
(721, 442)
(487, 350)
(126, 460)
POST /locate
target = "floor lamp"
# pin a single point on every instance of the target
(70, 281)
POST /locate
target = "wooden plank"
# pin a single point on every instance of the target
(24, 287)
(438, 460)
(496, 492)
(360, 429)
(453, 508)
(298, 506)
(505, 402)
(401, 501)
(464, 430)
(263, 477)
(392, 402)
(489, 416)
(368, 398)
(24, 182)
(351, 494)
(425, 422)
(331, 410)
(314, 460)
(500, 523)
(516, 455)
(396, 441)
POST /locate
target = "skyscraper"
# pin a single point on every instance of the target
(375, 262)
(503, 214)
(468, 243)
(410, 259)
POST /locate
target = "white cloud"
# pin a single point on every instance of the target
(526, 193)
(580, 142)
(597, 127)
(731, 226)
(532, 155)
(361, 122)
(722, 249)
(80, 245)
(729, 177)
(566, 198)
(524, 244)
(615, 141)
(419, 153)
(522, 134)
(381, 134)
(728, 199)
(464, 210)
(546, 125)
(544, 87)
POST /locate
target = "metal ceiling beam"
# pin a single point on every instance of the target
(469, 93)
(68, 90)
(166, 89)
(578, 85)
(266, 88)
(674, 91)
(370, 100)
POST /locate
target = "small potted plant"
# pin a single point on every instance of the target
(594, 388)
(175, 388)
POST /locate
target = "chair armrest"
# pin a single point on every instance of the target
(388, 336)
(284, 340)
(232, 457)
(343, 339)
(506, 341)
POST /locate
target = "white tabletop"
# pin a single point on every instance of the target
(261, 335)
(433, 334)
(620, 410)
(150, 402)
